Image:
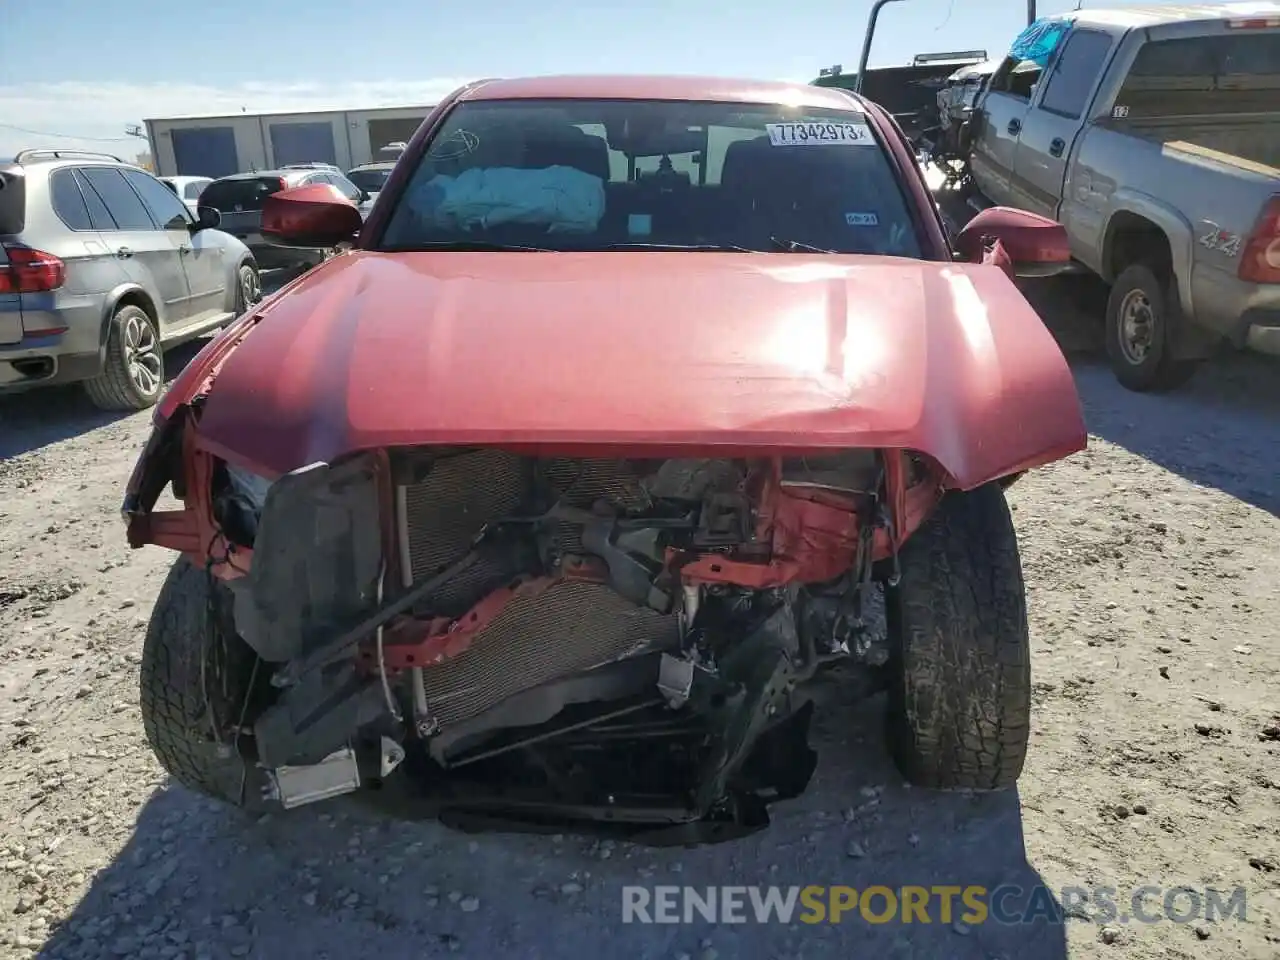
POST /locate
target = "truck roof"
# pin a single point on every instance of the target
(1149, 16)
(659, 87)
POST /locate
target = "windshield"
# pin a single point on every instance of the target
(371, 181)
(246, 193)
(629, 174)
(1217, 74)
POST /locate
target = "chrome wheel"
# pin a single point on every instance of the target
(250, 287)
(1137, 327)
(142, 355)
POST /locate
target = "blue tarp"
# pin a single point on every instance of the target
(1038, 42)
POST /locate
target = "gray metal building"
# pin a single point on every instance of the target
(218, 146)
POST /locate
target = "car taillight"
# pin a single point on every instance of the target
(1260, 262)
(30, 271)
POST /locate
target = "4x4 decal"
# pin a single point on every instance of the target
(1224, 241)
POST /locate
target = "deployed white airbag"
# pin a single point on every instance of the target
(562, 199)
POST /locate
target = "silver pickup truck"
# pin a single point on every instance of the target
(1153, 135)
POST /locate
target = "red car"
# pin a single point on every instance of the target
(614, 426)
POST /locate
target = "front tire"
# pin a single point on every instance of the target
(249, 288)
(133, 376)
(195, 677)
(960, 694)
(1142, 310)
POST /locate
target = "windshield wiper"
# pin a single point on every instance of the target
(636, 245)
(795, 246)
(463, 246)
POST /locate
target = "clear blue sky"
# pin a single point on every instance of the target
(106, 64)
(410, 39)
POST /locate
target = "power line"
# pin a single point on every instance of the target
(63, 136)
(947, 19)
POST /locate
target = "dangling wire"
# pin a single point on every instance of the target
(213, 632)
(210, 634)
(382, 664)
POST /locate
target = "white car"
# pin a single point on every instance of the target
(370, 177)
(188, 189)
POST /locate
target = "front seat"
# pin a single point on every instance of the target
(567, 146)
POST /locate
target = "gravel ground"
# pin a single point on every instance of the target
(1152, 563)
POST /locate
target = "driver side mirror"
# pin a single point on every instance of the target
(1022, 243)
(319, 215)
(208, 218)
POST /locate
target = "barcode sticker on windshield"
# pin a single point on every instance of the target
(815, 134)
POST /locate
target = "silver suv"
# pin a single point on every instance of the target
(102, 268)
(239, 199)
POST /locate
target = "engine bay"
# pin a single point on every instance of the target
(542, 641)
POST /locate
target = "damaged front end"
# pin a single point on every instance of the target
(537, 641)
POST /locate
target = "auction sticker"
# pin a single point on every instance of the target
(814, 133)
(861, 220)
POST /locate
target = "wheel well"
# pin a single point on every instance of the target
(130, 298)
(135, 298)
(1134, 239)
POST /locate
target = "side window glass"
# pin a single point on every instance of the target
(1074, 73)
(192, 191)
(99, 216)
(1233, 73)
(68, 204)
(165, 208)
(122, 203)
(1017, 78)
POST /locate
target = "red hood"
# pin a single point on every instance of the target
(647, 354)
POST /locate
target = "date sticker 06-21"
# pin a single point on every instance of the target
(817, 133)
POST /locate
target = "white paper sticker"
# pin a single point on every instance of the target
(815, 133)
(861, 220)
(1119, 112)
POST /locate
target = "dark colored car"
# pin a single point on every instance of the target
(239, 199)
(546, 503)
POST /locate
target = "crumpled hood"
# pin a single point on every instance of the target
(645, 354)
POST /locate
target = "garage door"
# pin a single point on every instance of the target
(302, 143)
(205, 151)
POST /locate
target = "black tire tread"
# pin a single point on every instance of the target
(175, 714)
(241, 307)
(960, 702)
(112, 389)
(1167, 372)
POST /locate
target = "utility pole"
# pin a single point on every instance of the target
(1031, 12)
